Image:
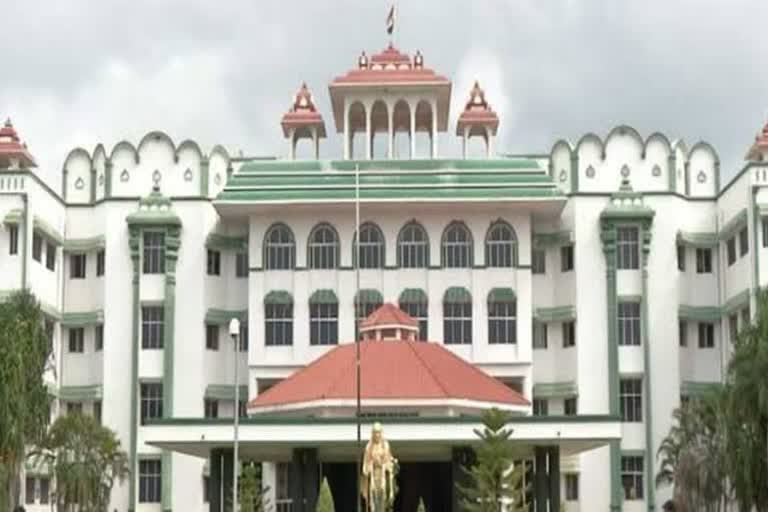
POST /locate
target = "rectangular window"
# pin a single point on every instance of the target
(540, 407)
(571, 487)
(731, 247)
(30, 488)
(566, 258)
(74, 407)
(151, 400)
(278, 324)
(214, 263)
(539, 335)
(539, 261)
(212, 337)
(457, 323)
(733, 327)
(50, 256)
(45, 489)
(627, 248)
(706, 335)
(154, 253)
(242, 340)
(765, 232)
(76, 340)
(100, 263)
(206, 485)
(682, 333)
(632, 477)
(743, 242)
(37, 247)
(98, 337)
(681, 252)
(152, 327)
(703, 261)
(150, 481)
(418, 311)
(746, 318)
(211, 408)
(13, 239)
(570, 406)
(283, 501)
(97, 410)
(569, 334)
(241, 264)
(323, 324)
(77, 266)
(629, 323)
(502, 323)
(242, 408)
(631, 400)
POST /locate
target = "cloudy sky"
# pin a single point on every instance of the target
(79, 72)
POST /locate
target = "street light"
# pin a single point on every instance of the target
(234, 332)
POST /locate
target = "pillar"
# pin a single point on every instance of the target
(292, 144)
(391, 130)
(434, 131)
(490, 144)
(305, 481)
(347, 135)
(413, 131)
(462, 457)
(540, 491)
(553, 454)
(368, 134)
(316, 143)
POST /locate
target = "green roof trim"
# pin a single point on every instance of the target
(553, 239)
(264, 166)
(278, 297)
(555, 314)
(226, 242)
(627, 204)
(699, 313)
(154, 210)
(323, 296)
(691, 388)
(457, 295)
(729, 228)
(737, 302)
(82, 318)
(13, 216)
(84, 244)
(555, 389)
(225, 392)
(48, 231)
(223, 316)
(413, 296)
(369, 296)
(502, 295)
(699, 240)
(80, 393)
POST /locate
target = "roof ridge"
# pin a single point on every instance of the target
(412, 347)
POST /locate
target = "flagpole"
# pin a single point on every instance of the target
(357, 325)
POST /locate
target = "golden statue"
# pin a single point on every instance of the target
(378, 472)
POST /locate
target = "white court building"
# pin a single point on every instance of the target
(599, 285)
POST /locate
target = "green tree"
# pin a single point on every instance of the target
(253, 497)
(496, 483)
(86, 462)
(325, 498)
(24, 402)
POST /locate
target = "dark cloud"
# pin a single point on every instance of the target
(80, 72)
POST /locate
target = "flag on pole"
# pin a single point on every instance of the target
(391, 20)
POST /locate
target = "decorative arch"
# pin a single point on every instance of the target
(657, 136)
(562, 143)
(457, 246)
(379, 123)
(413, 246)
(401, 124)
(356, 119)
(279, 248)
(323, 247)
(591, 137)
(219, 150)
(157, 135)
(78, 152)
(706, 146)
(372, 246)
(501, 245)
(191, 145)
(124, 145)
(624, 129)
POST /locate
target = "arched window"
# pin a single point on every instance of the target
(414, 302)
(412, 246)
(323, 247)
(457, 246)
(457, 317)
(366, 302)
(323, 318)
(278, 318)
(279, 248)
(500, 245)
(371, 246)
(502, 316)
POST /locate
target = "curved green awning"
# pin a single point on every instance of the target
(278, 297)
(324, 296)
(502, 295)
(457, 294)
(413, 296)
(369, 296)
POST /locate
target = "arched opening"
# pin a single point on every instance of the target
(423, 130)
(357, 131)
(379, 130)
(477, 142)
(303, 144)
(401, 124)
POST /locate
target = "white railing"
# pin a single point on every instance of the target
(284, 505)
(11, 183)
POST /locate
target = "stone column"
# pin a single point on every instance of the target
(413, 132)
(347, 135)
(368, 134)
(391, 130)
(434, 130)
(553, 454)
(540, 479)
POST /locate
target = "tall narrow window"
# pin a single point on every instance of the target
(211, 408)
(681, 252)
(98, 333)
(571, 487)
(13, 239)
(733, 327)
(100, 263)
(632, 477)
(278, 324)
(703, 261)
(152, 326)
(631, 400)
(500, 245)
(150, 481)
(627, 248)
(457, 246)
(323, 248)
(243, 338)
(214, 262)
(212, 337)
(37, 247)
(371, 247)
(50, 256)
(765, 232)
(566, 258)
(731, 248)
(569, 334)
(323, 318)
(154, 253)
(74, 407)
(97, 410)
(539, 335)
(570, 406)
(413, 246)
(241, 264)
(502, 320)
(539, 261)
(151, 400)
(540, 407)
(682, 333)
(283, 500)
(417, 309)
(629, 323)
(77, 264)
(76, 340)
(457, 317)
(279, 248)
(706, 335)
(746, 318)
(743, 242)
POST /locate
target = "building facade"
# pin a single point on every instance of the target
(604, 279)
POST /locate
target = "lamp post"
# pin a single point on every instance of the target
(234, 332)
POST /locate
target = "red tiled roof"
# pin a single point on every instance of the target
(388, 67)
(303, 114)
(761, 141)
(477, 113)
(407, 370)
(389, 314)
(11, 147)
